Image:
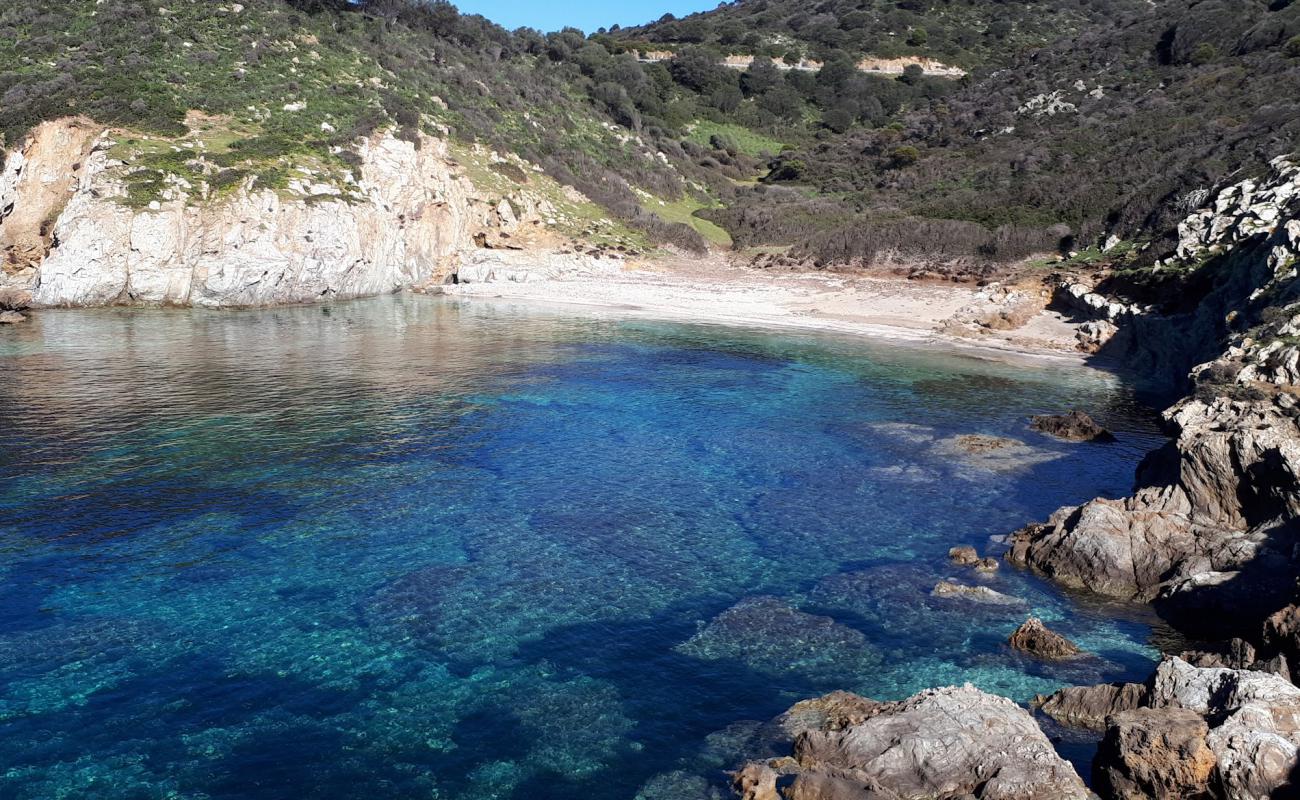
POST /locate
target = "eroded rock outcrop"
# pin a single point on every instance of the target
(1036, 639)
(1075, 426)
(955, 742)
(1207, 533)
(1192, 732)
(71, 235)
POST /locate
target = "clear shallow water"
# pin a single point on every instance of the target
(408, 548)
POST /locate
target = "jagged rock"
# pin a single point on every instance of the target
(1075, 426)
(1184, 539)
(965, 555)
(1089, 706)
(1217, 691)
(756, 782)
(1281, 632)
(832, 712)
(944, 744)
(1155, 753)
(1093, 335)
(1037, 639)
(1235, 654)
(975, 594)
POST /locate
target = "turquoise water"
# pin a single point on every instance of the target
(408, 548)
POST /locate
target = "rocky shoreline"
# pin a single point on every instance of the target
(1208, 537)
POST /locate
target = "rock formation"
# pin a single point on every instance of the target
(69, 236)
(1036, 639)
(1192, 732)
(1206, 533)
(955, 742)
(1090, 706)
(1075, 426)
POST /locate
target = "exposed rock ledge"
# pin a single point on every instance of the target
(1208, 535)
(67, 237)
(942, 744)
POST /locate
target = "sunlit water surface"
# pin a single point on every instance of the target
(405, 548)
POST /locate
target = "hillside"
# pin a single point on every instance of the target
(1101, 133)
(1108, 134)
(968, 33)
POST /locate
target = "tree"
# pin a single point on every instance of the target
(838, 119)
(726, 99)
(761, 77)
(918, 38)
(1204, 53)
(904, 155)
(783, 103)
(837, 70)
(1292, 47)
(698, 69)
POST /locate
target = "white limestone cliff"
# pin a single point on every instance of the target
(67, 236)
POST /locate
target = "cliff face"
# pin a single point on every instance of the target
(1208, 533)
(70, 237)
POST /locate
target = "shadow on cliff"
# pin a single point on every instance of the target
(1192, 314)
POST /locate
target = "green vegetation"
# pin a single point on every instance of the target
(970, 33)
(683, 211)
(730, 136)
(1080, 118)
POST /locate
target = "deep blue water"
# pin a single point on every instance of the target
(407, 548)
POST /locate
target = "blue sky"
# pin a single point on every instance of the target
(588, 15)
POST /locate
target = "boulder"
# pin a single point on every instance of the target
(1155, 753)
(755, 782)
(1037, 639)
(13, 298)
(1075, 426)
(1090, 706)
(11, 318)
(965, 555)
(975, 594)
(943, 743)
(1216, 691)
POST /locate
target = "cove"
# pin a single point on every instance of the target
(409, 547)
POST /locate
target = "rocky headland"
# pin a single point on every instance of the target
(1208, 537)
(76, 229)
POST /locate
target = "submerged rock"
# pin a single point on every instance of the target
(975, 594)
(1075, 426)
(11, 318)
(949, 743)
(1037, 639)
(768, 635)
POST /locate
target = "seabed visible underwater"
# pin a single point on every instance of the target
(412, 548)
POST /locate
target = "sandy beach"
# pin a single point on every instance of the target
(712, 290)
